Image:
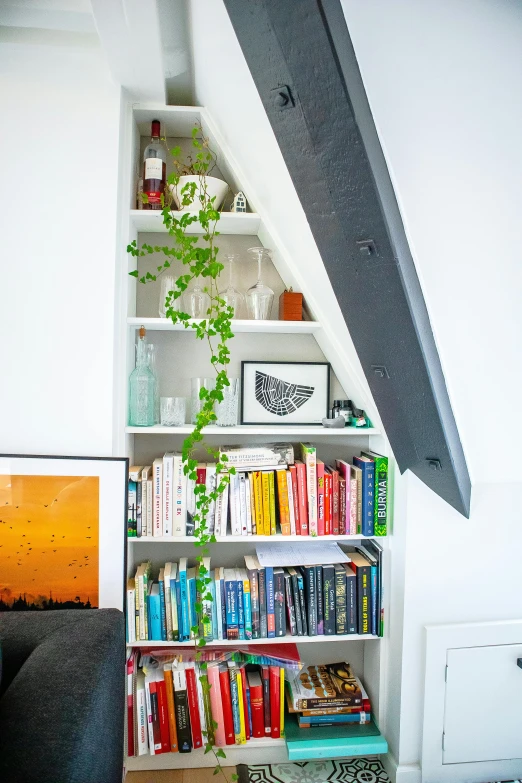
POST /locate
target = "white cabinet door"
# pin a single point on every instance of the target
(483, 704)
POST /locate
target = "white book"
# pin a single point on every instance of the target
(141, 715)
(168, 610)
(242, 504)
(225, 496)
(167, 497)
(146, 474)
(201, 703)
(131, 614)
(180, 498)
(191, 505)
(291, 502)
(248, 506)
(179, 677)
(174, 603)
(217, 515)
(235, 509)
(141, 601)
(157, 511)
(210, 484)
(217, 590)
(150, 506)
(150, 727)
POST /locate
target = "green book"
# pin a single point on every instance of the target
(380, 495)
(350, 739)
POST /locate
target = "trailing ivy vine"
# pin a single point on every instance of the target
(199, 261)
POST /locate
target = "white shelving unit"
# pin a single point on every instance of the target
(298, 341)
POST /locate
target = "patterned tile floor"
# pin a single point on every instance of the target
(350, 771)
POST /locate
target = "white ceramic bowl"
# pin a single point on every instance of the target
(215, 187)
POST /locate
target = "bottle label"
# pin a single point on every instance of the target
(153, 168)
(153, 196)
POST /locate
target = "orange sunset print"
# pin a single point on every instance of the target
(48, 542)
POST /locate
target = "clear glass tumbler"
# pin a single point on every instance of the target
(227, 411)
(168, 284)
(173, 411)
(196, 403)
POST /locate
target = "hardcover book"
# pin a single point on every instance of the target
(368, 491)
(332, 684)
(254, 456)
(380, 501)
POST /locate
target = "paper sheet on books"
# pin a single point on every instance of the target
(300, 554)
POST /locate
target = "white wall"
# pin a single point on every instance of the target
(442, 78)
(59, 125)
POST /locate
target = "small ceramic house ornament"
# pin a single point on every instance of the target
(239, 203)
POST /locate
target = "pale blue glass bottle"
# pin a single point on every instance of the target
(142, 387)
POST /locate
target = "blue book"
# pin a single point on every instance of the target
(270, 602)
(318, 720)
(368, 493)
(234, 694)
(223, 605)
(154, 614)
(240, 605)
(183, 601)
(231, 603)
(192, 597)
(174, 600)
(249, 710)
(162, 607)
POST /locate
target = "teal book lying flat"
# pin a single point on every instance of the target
(332, 741)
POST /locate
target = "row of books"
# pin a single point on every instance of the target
(255, 602)
(269, 493)
(181, 707)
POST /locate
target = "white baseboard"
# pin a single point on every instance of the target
(401, 773)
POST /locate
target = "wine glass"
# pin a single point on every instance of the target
(231, 295)
(259, 297)
(196, 302)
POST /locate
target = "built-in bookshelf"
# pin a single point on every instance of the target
(307, 340)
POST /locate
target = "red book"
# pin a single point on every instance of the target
(320, 498)
(342, 506)
(256, 704)
(302, 497)
(163, 710)
(192, 696)
(275, 702)
(265, 676)
(295, 493)
(245, 701)
(130, 706)
(226, 700)
(156, 730)
(202, 474)
(327, 502)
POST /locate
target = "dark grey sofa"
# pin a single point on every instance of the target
(62, 696)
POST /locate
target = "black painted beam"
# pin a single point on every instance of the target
(301, 58)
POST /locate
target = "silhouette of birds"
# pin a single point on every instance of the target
(89, 527)
(75, 577)
(63, 536)
(23, 535)
(54, 550)
(87, 536)
(45, 505)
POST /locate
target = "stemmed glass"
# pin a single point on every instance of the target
(259, 297)
(231, 295)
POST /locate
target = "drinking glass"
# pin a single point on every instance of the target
(173, 411)
(227, 411)
(260, 297)
(167, 284)
(230, 294)
(152, 361)
(196, 302)
(196, 384)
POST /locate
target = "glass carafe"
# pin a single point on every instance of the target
(142, 388)
(259, 298)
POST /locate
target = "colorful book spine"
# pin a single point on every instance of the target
(302, 498)
(226, 700)
(380, 503)
(168, 474)
(169, 686)
(252, 573)
(353, 502)
(241, 706)
(290, 607)
(163, 712)
(157, 477)
(192, 698)
(275, 702)
(154, 614)
(247, 602)
(342, 506)
(234, 693)
(368, 491)
(279, 602)
(351, 600)
(310, 581)
(270, 602)
(182, 710)
(284, 505)
(340, 600)
(265, 676)
(265, 487)
(256, 704)
(329, 599)
(302, 601)
(263, 624)
(321, 523)
(216, 703)
(308, 453)
(242, 504)
(258, 502)
(344, 469)
(184, 629)
(327, 503)
(141, 716)
(273, 515)
(296, 529)
(240, 605)
(231, 603)
(163, 610)
(297, 605)
(320, 599)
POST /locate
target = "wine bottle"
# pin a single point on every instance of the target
(154, 169)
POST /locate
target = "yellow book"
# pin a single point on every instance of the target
(284, 510)
(271, 484)
(242, 731)
(282, 702)
(266, 502)
(258, 502)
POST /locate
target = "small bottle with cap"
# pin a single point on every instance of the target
(142, 387)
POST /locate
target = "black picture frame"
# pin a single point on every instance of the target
(277, 420)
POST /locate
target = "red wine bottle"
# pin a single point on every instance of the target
(154, 169)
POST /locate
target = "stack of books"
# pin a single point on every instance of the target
(179, 707)
(270, 493)
(256, 602)
(327, 695)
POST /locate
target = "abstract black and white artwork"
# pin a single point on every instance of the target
(284, 392)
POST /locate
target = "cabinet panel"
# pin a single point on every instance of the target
(483, 704)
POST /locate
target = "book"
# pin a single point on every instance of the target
(302, 601)
(260, 455)
(344, 469)
(333, 720)
(241, 698)
(247, 603)
(351, 600)
(302, 498)
(231, 603)
(141, 715)
(240, 604)
(265, 496)
(296, 602)
(150, 505)
(320, 498)
(154, 724)
(327, 685)
(132, 499)
(157, 477)
(131, 610)
(145, 477)
(334, 473)
(374, 587)
(192, 698)
(275, 701)
(182, 710)
(295, 526)
(309, 457)
(329, 599)
(368, 489)
(319, 599)
(374, 549)
(169, 687)
(253, 577)
(184, 627)
(210, 484)
(283, 501)
(263, 620)
(163, 611)
(192, 600)
(340, 599)
(362, 569)
(235, 505)
(380, 500)
(168, 479)
(290, 606)
(258, 502)
(279, 602)
(342, 505)
(205, 708)
(206, 627)
(242, 503)
(179, 497)
(190, 510)
(353, 501)
(226, 701)
(357, 473)
(154, 613)
(250, 517)
(291, 507)
(282, 702)
(265, 677)
(234, 693)
(216, 703)
(336, 741)
(328, 488)
(272, 495)
(174, 591)
(163, 713)
(131, 663)
(310, 584)
(256, 704)
(270, 602)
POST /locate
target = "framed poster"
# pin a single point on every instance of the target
(63, 532)
(284, 392)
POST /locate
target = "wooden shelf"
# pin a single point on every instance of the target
(239, 223)
(238, 326)
(297, 430)
(278, 640)
(245, 539)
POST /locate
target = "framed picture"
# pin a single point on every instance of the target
(284, 392)
(62, 532)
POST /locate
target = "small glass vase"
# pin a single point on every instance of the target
(231, 295)
(196, 404)
(168, 284)
(173, 411)
(196, 302)
(227, 410)
(259, 297)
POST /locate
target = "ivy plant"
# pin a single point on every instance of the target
(200, 262)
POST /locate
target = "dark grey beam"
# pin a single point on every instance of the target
(301, 58)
